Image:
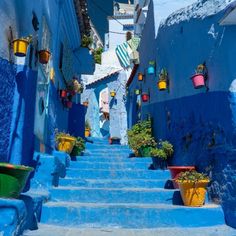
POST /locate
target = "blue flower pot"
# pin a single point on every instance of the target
(151, 70)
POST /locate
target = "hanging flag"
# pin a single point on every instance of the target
(123, 51)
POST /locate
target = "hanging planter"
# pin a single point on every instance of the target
(163, 80)
(176, 170)
(200, 77)
(44, 56)
(137, 91)
(140, 77)
(151, 68)
(13, 179)
(20, 47)
(113, 93)
(69, 104)
(87, 132)
(145, 97)
(63, 93)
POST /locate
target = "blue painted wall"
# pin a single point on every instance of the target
(117, 109)
(200, 124)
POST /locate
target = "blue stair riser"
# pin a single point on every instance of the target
(106, 154)
(110, 165)
(118, 174)
(135, 183)
(108, 147)
(118, 159)
(130, 217)
(113, 196)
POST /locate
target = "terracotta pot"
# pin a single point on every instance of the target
(63, 93)
(44, 56)
(145, 97)
(175, 170)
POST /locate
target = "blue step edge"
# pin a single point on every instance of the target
(21, 214)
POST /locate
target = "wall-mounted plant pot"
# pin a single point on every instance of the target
(20, 47)
(87, 132)
(137, 91)
(72, 92)
(13, 179)
(193, 194)
(63, 93)
(69, 104)
(44, 56)
(198, 81)
(113, 94)
(162, 85)
(66, 144)
(176, 170)
(145, 97)
(151, 70)
(140, 77)
(86, 103)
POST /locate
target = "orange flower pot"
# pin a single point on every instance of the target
(140, 77)
(66, 144)
(44, 56)
(87, 133)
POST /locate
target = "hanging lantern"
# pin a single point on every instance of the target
(137, 91)
(140, 77)
(113, 93)
(145, 97)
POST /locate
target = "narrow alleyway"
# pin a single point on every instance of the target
(107, 193)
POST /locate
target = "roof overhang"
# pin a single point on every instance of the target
(230, 16)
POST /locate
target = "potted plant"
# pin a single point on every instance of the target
(192, 186)
(44, 56)
(63, 93)
(87, 129)
(140, 138)
(137, 91)
(163, 80)
(74, 86)
(13, 179)
(151, 67)
(68, 104)
(140, 76)
(65, 142)
(161, 154)
(145, 97)
(86, 41)
(86, 103)
(20, 46)
(176, 170)
(200, 76)
(79, 147)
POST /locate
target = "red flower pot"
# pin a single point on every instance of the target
(63, 93)
(198, 81)
(44, 56)
(68, 104)
(145, 97)
(175, 170)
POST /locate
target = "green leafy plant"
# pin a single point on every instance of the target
(192, 176)
(97, 54)
(59, 135)
(167, 148)
(163, 75)
(86, 41)
(79, 147)
(159, 153)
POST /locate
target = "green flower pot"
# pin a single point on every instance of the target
(13, 179)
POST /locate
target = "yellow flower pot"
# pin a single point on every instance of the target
(113, 94)
(20, 47)
(87, 133)
(162, 84)
(66, 144)
(193, 194)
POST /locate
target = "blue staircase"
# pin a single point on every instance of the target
(107, 193)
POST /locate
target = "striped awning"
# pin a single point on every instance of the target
(123, 51)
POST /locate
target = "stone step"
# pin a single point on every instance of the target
(115, 183)
(117, 174)
(130, 215)
(113, 195)
(107, 154)
(118, 159)
(88, 164)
